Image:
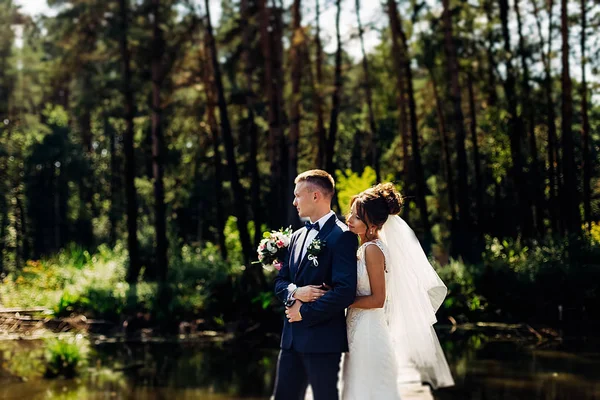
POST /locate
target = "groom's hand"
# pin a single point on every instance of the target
(293, 313)
(309, 293)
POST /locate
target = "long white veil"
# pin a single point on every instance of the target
(414, 294)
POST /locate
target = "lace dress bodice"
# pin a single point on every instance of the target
(363, 286)
(370, 371)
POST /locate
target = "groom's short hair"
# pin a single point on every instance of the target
(322, 179)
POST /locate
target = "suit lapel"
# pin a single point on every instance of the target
(297, 250)
(323, 233)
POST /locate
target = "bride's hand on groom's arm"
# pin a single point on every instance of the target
(293, 313)
(307, 294)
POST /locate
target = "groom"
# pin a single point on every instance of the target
(316, 282)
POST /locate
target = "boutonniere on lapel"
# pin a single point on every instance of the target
(315, 248)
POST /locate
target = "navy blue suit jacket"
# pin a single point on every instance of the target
(323, 325)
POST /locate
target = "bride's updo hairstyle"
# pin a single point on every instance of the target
(374, 205)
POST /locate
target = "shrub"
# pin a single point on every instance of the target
(66, 356)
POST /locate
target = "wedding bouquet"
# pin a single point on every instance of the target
(272, 248)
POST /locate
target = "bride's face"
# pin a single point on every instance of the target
(355, 224)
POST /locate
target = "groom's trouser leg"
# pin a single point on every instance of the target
(322, 370)
(291, 380)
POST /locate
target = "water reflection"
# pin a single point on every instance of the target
(485, 367)
(506, 368)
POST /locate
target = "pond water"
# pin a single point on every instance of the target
(485, 366)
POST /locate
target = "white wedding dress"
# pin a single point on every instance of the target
(387, 342)
(369, 371)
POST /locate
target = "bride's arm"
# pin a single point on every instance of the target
(376, 270)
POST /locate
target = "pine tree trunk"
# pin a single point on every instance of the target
(553, 179)
(211, 104)
(417, 167)
(318, 89)
(296, 60)
(446, 158)
(516, 134)
(458, 124)
(129, 105)
(373, 146)
(158, 145)
(252, 129)
(335, 101)
(399, 58)
(278, 51)
(113, 213)
(535, 174)
(585, 126)
(238, 191)
(481, 223)
(274, 106)
(569, 195)
(491, 60)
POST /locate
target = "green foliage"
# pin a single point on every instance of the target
(350, 183)
(56, 115)
(66, 356)
(462, 295)
(232, 241)
(195, 278)
(22, 358)
(525, 282)
(74, 281)
(594, 234)
(265, 299)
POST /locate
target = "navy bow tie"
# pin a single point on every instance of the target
(310, 226)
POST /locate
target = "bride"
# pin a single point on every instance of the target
(390, 323)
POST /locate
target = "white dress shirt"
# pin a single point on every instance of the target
(312, 234)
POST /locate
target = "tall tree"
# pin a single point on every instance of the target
(318, 93)
(491, 87)
(536, 180)
(515, 130)
(374, 152)
(211, 103)
(252, 129)
(129, 112)
(158, 140)
(113, 213)
(296, 60)
(553, 161)
(476, 157)
(458, 125)
(336, 96)
(269, 38)
(569, 195)
(399, 58)
(446, 158)
(417, 167)
(238, 191)
(585, 124)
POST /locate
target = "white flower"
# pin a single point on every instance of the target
(272, 247)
